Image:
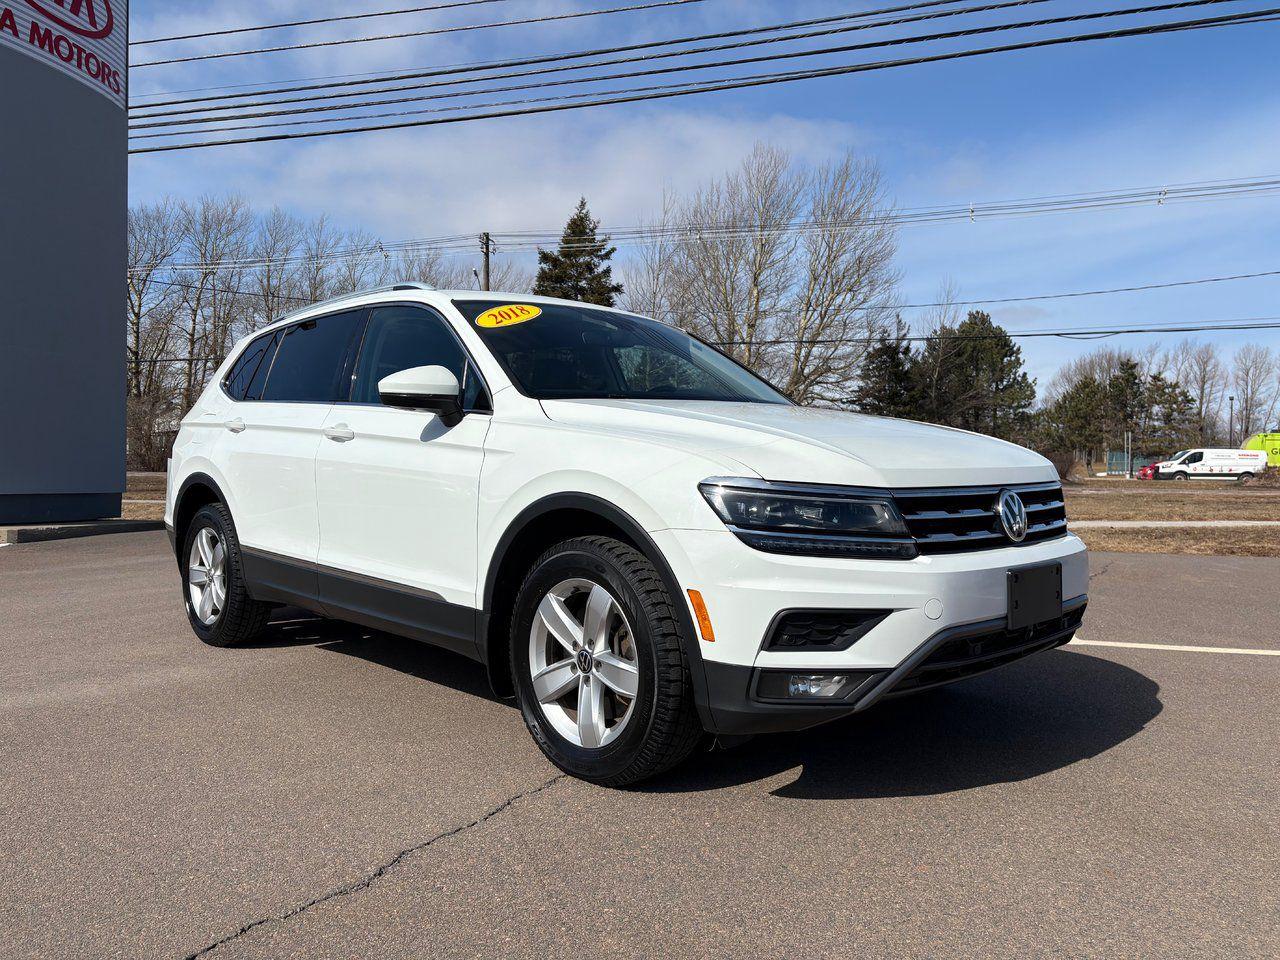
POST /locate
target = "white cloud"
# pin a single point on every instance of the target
(501, 175)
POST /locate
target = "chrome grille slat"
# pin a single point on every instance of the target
(955, 519)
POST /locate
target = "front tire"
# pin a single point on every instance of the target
(1181, 475)
(221, 612)
(598, 664)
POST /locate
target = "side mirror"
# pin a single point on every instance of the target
(424, 388)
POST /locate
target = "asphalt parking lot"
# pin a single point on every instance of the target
(331, 793)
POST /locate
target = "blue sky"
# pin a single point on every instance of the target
(1123, 113)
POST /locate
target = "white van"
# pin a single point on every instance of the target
(1213, 465)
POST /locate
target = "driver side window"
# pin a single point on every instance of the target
(401, 337)
(1194, 458)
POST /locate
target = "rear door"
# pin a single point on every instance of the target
(398, 491)
(269, 453)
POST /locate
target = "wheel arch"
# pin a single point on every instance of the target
(550, 520)
(197, 490)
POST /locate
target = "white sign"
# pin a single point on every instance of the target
(85, 39)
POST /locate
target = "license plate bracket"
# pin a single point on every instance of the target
(1035, 595)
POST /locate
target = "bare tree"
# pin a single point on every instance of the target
(276, 242)
(1101, 365)
(155, 234)
(649, 282)
(735, 260)
(847, 283)
(216, 231)
(1257, 389)
(321, 245)
(788, 269)
(1198, 368)
(934, 324)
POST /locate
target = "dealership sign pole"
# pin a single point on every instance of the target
(63, 224)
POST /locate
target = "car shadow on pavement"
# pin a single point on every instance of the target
(293, 627)
(418, 660)
(1019, 722)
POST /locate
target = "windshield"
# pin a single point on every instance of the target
(1178, 456)
(563, 351)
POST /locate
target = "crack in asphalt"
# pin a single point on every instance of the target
(371, 878)
(1095, 574)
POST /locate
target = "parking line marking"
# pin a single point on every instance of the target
(1178, 647)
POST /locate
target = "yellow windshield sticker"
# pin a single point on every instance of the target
(508, 315)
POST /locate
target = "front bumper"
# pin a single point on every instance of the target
(934, 600)
(735, 704)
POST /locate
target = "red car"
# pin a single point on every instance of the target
(1148, 472)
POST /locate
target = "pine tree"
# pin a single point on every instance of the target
(884, 387)
(971, 376)
(579, 269)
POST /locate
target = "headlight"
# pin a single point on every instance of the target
(793, 518)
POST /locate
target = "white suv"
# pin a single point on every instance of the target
(644, 543)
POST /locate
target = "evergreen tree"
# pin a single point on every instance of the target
(885, 387)
(1077, 421)
(579, 269)
(971, 376)
(1169, 418)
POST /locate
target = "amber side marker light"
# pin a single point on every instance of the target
(704, 618)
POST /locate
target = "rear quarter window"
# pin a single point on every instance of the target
(255, 357)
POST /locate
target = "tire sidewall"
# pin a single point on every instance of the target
(581, 560)
(208, 516)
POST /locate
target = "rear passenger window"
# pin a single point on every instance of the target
(310, 360)
(255, 356)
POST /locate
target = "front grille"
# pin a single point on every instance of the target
(965, 656)
(964, 518)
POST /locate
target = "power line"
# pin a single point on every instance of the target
(652, 5)
(1090, 293)
(763, 80)
(1210, 326)
(310, 23)
(1191, 191)
(682, 68)
(237, 293)
(546, 58)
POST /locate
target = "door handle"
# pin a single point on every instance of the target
(340, 432)
(235, 426)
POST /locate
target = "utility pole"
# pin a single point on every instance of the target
(486, 248)
(1231, 423)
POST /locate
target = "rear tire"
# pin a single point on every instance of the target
(1246, 478)
(634, 643)
(218, 604)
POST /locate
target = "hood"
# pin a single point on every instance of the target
(810, 445)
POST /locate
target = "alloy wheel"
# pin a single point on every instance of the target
(583, 663)
(207, 576)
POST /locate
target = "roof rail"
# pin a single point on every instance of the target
(389, 288)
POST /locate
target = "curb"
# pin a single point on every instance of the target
(40, 533)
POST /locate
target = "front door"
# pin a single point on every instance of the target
(398, 491)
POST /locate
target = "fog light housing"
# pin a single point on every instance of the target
(812, 686)
(815, 684)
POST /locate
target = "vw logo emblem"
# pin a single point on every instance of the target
(585, 660)
(1013, 515)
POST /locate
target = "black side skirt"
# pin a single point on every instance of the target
(404, 611)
